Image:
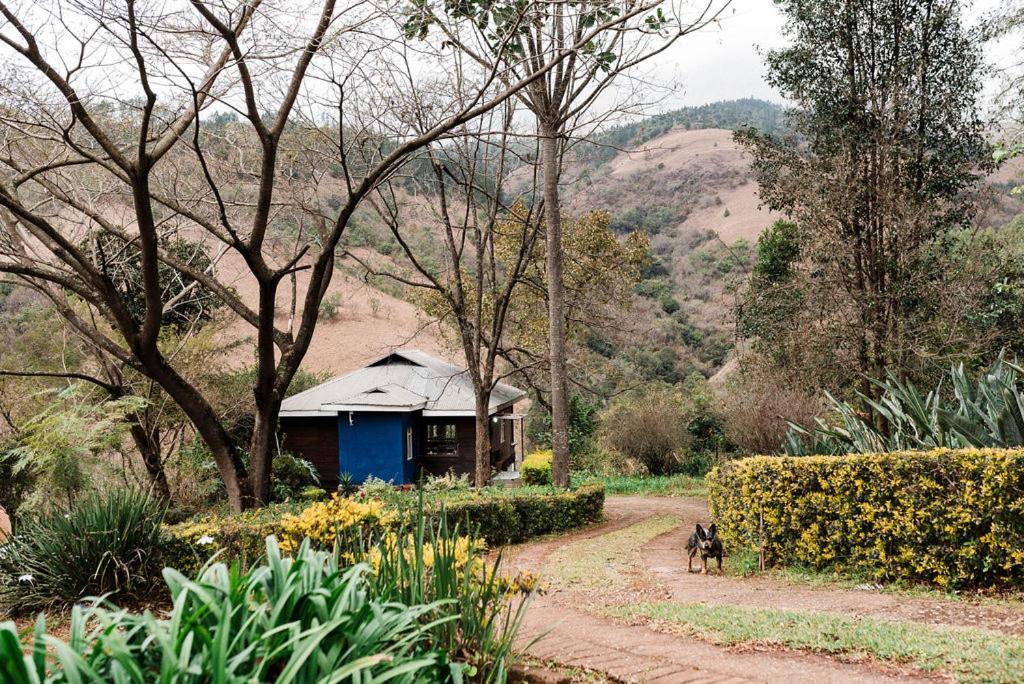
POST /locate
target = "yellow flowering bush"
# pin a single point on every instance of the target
(952, 517)
(536, 468)
(323, 521)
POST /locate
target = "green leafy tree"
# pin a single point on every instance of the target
(60, 443)
(889, 146)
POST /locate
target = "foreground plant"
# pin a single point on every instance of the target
(300, 619)
(102, 545)
(414, 601)
(478, 609)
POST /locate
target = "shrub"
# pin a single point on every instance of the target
(582, 425)
(953, 517)
(15, 479)
(299, 620)
(650, 428)
(324, 521)
(240, 536)
(102, 545)
(757, 404)
(329, 306)
(517, 517)
(290, 475)
(536, 468)
(449, 482)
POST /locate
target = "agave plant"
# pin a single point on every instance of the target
(987, 412)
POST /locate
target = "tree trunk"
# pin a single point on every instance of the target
(482, 470)
(556, 310)
(149, 450)
(207, 424)
(261, 450)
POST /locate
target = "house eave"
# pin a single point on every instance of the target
(370, 408)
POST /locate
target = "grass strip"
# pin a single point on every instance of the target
(968, 654)
(657, 485)
(600, 562)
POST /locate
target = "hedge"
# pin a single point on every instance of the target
(498, 519)
(239, 536)
(536, 468)
(517, 517)
(952, 517)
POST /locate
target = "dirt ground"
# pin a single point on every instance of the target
(564, 626)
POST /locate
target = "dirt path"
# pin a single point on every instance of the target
(575, 636)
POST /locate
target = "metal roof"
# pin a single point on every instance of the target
(407, 380)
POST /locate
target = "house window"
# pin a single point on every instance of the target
(441, 440)
(408, 444)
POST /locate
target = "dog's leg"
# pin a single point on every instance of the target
(719, 559)
(703, 564)
(689, 565)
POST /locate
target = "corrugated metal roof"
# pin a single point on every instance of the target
(408, 379)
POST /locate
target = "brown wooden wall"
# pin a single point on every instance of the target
(465, 444)
(316, 440)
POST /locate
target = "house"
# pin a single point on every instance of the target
(402, 415)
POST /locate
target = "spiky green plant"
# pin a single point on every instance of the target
(986, 412)
(300, 619)
(478, 610)
(104, 544)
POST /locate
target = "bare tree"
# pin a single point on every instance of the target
(487, 239)
(108, 128)
(530, 42)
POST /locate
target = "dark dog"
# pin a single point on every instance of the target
(707, 543)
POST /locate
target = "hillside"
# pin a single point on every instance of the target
(686, 184)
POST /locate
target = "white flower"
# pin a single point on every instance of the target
(25, 578)
(205, 540)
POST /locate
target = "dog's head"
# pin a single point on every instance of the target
(706, 537)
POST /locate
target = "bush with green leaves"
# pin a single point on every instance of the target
(290, 476)
(58, 444)
(582, 425)
(102, 545)
(289, 620)
(16, 478)
(516, 517)
(960, 412)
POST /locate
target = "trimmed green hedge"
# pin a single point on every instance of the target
(500, 519)
(517, 517)
(953, 517)
(536, 468)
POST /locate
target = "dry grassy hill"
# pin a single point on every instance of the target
(691, 189)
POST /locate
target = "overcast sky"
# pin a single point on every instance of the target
(722, 63)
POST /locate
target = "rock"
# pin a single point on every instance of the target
(5, 525)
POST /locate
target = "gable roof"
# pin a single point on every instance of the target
(407, 380)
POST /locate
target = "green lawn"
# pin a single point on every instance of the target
(656, 485)
(968, 654)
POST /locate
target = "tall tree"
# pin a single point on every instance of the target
(887, 150)
(107, 129)
(530, 38)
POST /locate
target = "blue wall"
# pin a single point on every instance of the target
(374, 444)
